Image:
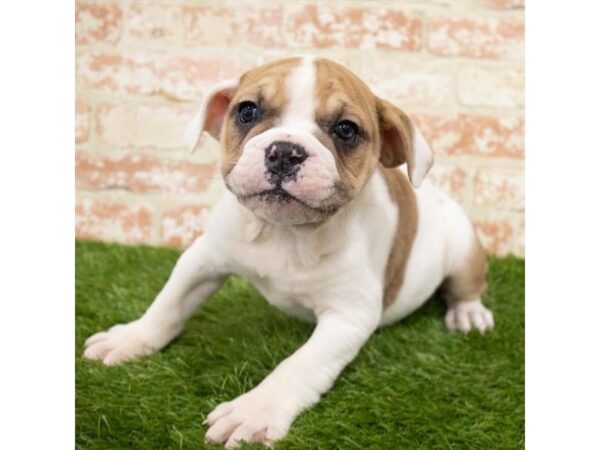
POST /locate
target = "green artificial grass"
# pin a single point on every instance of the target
(413, 386)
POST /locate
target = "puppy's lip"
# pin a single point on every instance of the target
(276, 192)
(279, 193)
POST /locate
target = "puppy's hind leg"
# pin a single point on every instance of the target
(462, 290)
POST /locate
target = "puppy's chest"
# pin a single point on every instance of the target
(289, 295)
(291, 279)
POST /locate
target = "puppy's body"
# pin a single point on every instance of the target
(324, 223)
(295, 268)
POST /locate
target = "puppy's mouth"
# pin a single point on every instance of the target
(276, 204)
(277, 194)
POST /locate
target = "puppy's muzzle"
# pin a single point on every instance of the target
(283, 160)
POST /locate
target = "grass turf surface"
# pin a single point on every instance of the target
(413, 385)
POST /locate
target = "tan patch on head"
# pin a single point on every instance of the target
(264, 86)
(403, 195)
(340, 95)
(468, 282)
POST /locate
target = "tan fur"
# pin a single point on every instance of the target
(468, 282)
(264, 85)
(342, 96)
(403, 195)
(397, 132)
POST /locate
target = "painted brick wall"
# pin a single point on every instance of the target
(456, 66)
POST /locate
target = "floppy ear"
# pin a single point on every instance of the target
(211, 113)
(402, 142)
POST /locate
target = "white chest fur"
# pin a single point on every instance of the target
(302, 270)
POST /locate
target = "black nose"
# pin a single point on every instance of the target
(284, 158)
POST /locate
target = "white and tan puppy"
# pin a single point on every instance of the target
(321, 216)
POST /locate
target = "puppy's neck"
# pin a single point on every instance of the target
(308, 243)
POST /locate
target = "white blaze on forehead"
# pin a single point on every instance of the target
(300, 86)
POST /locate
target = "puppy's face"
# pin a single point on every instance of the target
(301, 137)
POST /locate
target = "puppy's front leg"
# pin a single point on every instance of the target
(265, 413)
(195, 277)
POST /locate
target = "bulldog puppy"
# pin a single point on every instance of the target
(321, 216)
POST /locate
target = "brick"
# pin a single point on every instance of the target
(151, 74)
(494, 87)
(413, 83)
(185, 78)
(147, 64)
(500, 188)
(113, 220)
(115, 73)
(477, 37)
(519, 244)
(329, 26)
(82, 121)
(505, 4)
(153, 24)
(181, 226)
(142, 126)
(228, 25)
(141, 174)
(450, 178)
(97, 22)
(469, 134)
(496, 234)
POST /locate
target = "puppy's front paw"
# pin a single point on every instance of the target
(465, 316)
(121, 343)
(257, 416)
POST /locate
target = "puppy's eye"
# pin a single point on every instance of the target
(346, 130)
(247, 112)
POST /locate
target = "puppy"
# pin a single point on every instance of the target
(327, 213)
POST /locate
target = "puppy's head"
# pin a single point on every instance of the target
(302, 136)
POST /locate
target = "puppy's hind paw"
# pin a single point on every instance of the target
(469, 315)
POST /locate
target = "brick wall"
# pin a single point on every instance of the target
(456, 66)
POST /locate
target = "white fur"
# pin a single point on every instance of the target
(423, 158)
(300, 111)
(466, 316)
(332, 274)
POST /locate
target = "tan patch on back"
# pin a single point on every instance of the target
(408, 220)
(265, 85)
(340, 95)
(468, 282)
